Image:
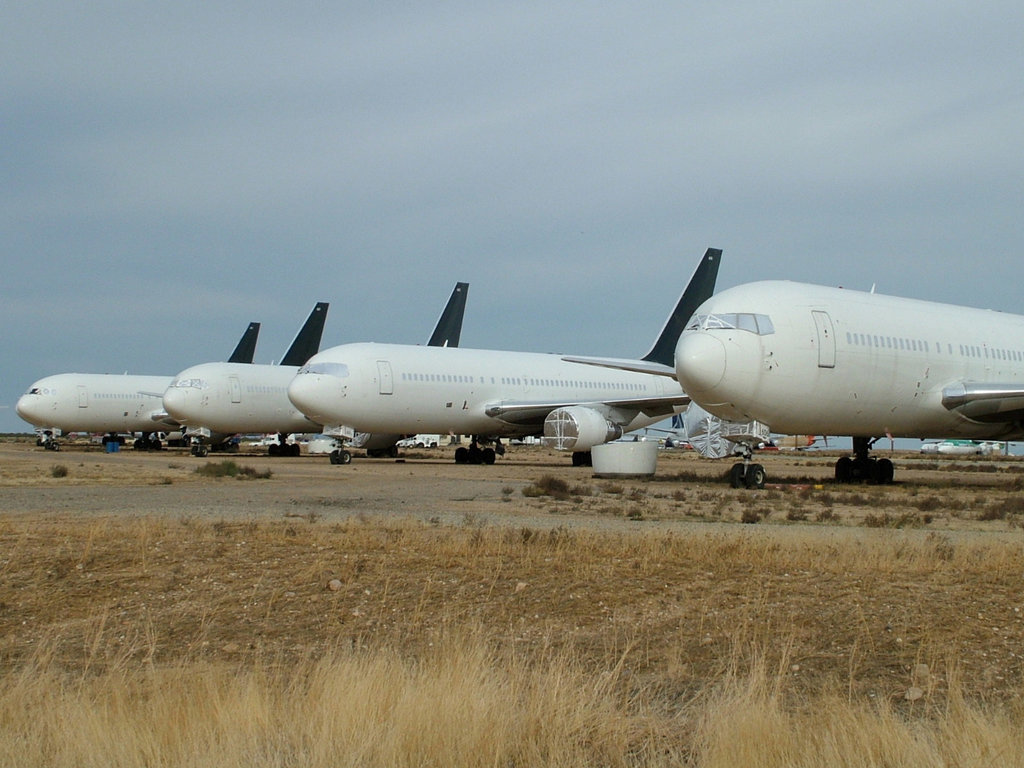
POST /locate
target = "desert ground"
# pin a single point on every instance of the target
(904, 600)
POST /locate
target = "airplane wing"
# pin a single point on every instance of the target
(163, 417)
(637, 366)
(991, 403)
(624, 410)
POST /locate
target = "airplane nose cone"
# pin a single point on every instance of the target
(306, 392)
(26, 409)
(176, 401)
(700, 362)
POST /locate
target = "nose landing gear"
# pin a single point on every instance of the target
(746, 474)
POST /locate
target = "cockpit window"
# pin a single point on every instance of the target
(33, 391)
(742, 321)
(190, 383)
(339, 370)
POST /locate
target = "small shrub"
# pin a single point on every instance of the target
(58, 470)
(548, 485)
(928, 503)
(230, 468)
(826, 516)
(750, 516)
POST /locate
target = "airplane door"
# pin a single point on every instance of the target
(826, 339)
(387, 386)
(83, 397)
(236, 389)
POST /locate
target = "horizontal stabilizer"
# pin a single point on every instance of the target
(637, 366)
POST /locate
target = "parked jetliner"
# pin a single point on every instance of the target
(806, 359)
(494, 394)
(213, 401)
(226, 399)
(99, 402)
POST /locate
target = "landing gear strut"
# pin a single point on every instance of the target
(863, 468)
(746, 474)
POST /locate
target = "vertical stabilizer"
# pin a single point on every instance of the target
(449, 325)
(246, 349)
(700, 289)
(307, 342)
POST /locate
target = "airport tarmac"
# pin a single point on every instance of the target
(964, 495)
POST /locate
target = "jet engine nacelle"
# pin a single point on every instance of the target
(578, 428)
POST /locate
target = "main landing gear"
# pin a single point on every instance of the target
(474, 454)
(863, 468)
(283, 448)
(148, 442)
(746, 474)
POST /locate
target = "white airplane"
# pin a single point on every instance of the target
(214, 400)
(108, 403)
(807, 359)
(963, 447)
(493, 394)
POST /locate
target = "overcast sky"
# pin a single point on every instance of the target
(171, 171)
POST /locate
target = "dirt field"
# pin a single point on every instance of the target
(897, 592)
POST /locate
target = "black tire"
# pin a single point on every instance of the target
(462, 455)
(487, 455)
(844, 470)
(884, 472)
(54, 445)
(335, 457)
(736, 476)
(344, 457)
(755, 476)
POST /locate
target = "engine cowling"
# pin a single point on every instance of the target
(578, 428)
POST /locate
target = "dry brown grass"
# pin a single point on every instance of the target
(568, 634)
(295, 642)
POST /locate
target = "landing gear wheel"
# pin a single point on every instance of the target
(341, 456)
(462, 455)
(884, 472)
(487, 455)
(736, 476)
(844, 469)
(582, 459)
(755, 476)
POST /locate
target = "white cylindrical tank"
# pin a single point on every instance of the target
(637, 459)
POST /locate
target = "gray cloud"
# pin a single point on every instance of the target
(173, 171)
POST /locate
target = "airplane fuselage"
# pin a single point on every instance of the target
(808, 359)
(95, 402)
(413, 389)
(231, 398)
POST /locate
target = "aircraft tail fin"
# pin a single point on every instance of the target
(246, 349)
(307, 342)
(449, 326)
(700, 289)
